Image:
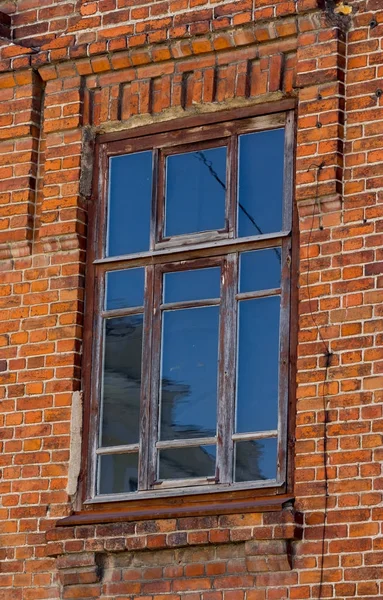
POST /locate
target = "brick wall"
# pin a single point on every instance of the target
(75, 69)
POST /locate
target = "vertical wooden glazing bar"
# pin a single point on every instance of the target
(288, 180)
(284, 337)
(161, 196)
(146, 380)
(227, 352)
(155, 375)
(91, 299)
(95, 365)
(154, 214)
(231, 197)
(285, 385)
(101, 231)
(97, 377)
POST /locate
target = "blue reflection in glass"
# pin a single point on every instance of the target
(118, 473)
(195, 191)
(260, 270)
(125, 289)
(196, 284)
(183, 463)
(129, 207)
(258, 364)
(189, 373)
(256, 460)
(260, 191)
(122, 381)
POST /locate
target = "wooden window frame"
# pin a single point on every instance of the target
(168, 251)
(227, 231)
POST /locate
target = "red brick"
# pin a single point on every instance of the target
(114, 60)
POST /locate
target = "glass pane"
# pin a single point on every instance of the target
(258, 364)
(260, 270)
(195, 191)
(121, 381)
(183, 463)
(261, 158)
(189, 373)
(130, 198)
(197, 284)
(118, 473)
(125, 289)
(256, 460)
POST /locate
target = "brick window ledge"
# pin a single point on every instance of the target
(103, 553)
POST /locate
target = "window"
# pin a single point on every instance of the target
(191, 279)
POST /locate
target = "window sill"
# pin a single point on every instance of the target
(159, 508)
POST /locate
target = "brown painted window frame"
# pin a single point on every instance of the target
(168, 252)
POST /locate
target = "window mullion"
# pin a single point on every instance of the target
(283, 391)
(155, 215)
(288, 177)
(232, 185)
(153, 405)
(160, 197)
(96, 383)
(226, 390)
(101, 241)
(146, 381)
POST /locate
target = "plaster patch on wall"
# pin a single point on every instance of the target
(343, 9)
(338, 11)
(87, 158)
(75, 443)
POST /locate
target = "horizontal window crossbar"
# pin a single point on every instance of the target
(180, 483)
(190, 304)
(122, 312)
(258, 294)
(202, 237)
(270, 240)
(118, 449)
(186, 443)
(254, 436)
